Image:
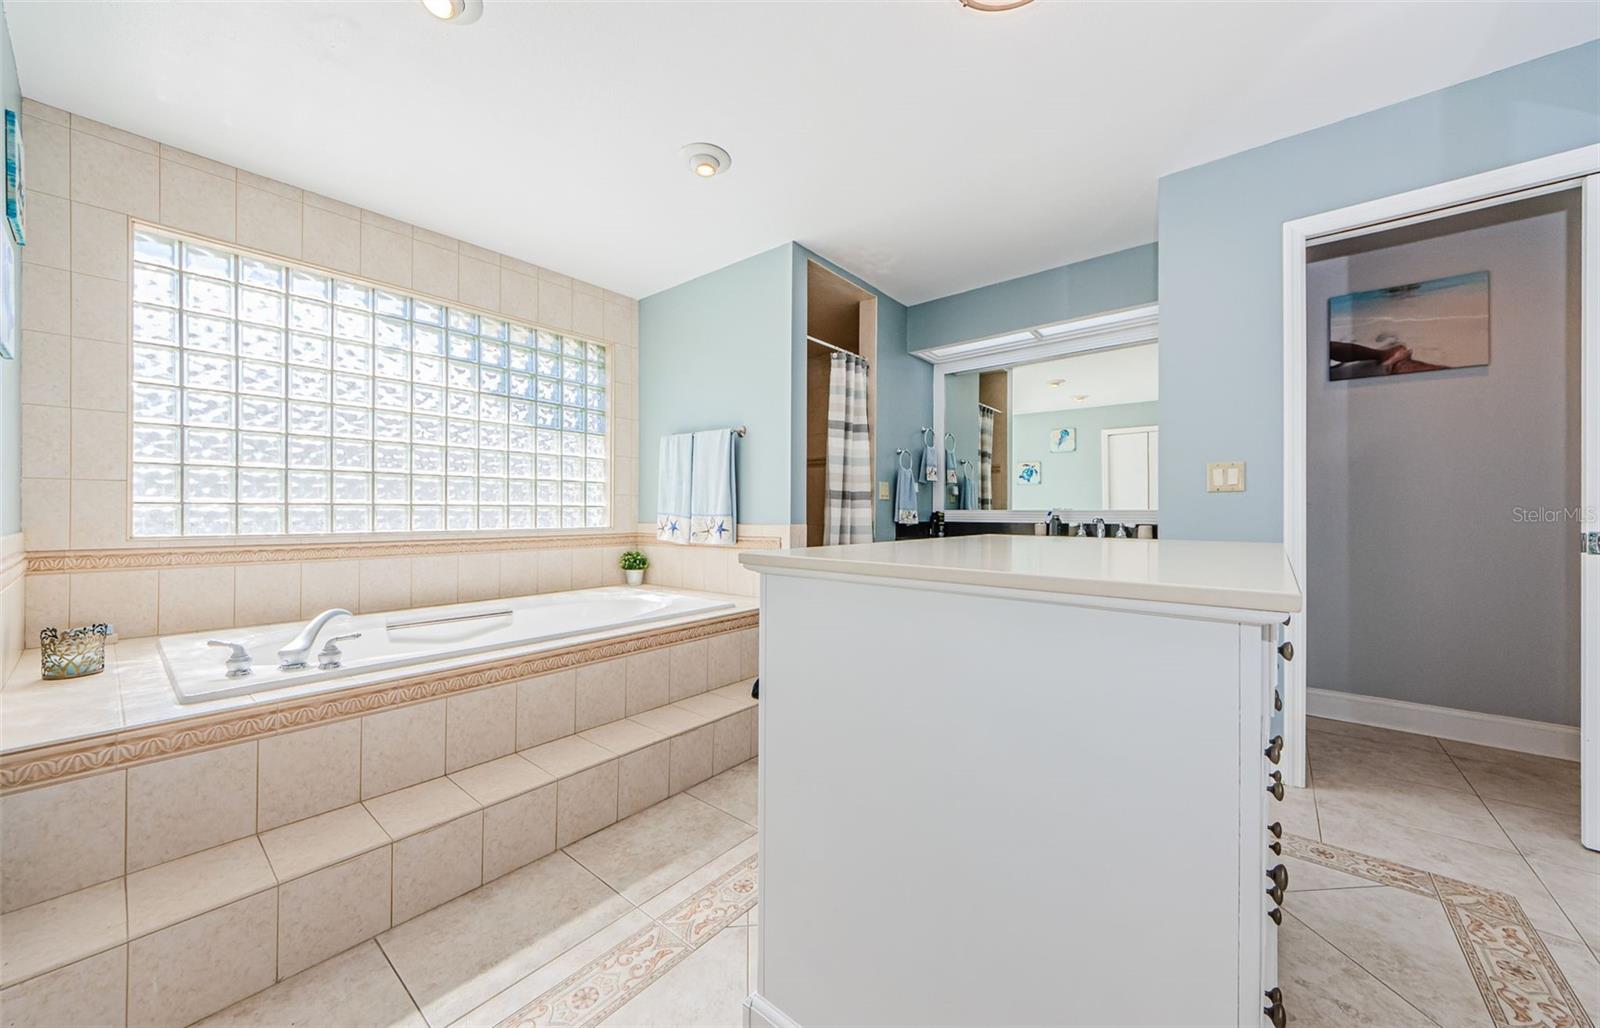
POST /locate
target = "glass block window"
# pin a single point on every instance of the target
(270, 399)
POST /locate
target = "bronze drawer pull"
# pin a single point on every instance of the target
(1276, 913)
(1276, 828)
(1286, 651)
(1274, 750)
(1276, 788)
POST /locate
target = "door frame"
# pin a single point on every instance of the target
(1473, 190)
(1105, 459)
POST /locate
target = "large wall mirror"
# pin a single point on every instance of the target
(1037, 430)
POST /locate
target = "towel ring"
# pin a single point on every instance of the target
(927, 436)
(903, 459)
(950, 440)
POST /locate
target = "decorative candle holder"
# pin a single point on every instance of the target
(74, 654)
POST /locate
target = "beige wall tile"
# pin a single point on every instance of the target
(100, 377)
(99, 444)
(555, 304)
(546, 708)
(692, 756)
(588, 567)
(433, 269)
(722, 660)
(601, 693)
(519, 295)
(190, 803)
(325, 584)
(182, 973)
(385, 584)
(437, 866)
(99, 309)
(308, 772)
(586, 802)
(648, 675)
(518, 831)
(749, 655)
(99, 242)
(49, 231)
(177, 890)
(269, 220)
(61, 838)
(330, 239)
(195, 599)
(125, 599)
(519, 573)
(519, 266)
(46, 361)
(480, 725)
(120, 136)
(115, 177)
(264, 594)
(267, 185)
(196, 200)
(46, 300)
(328, 911)
(402, 747)
(93, 991)
(325, 203)
(46, 442)
(301, 847)
(385, 255)
(52, 934)
(688, 675)
(99, 515)
(479, 283)
(385, 223)
(44, 604)
(432, 238)
(194, 160)
(34, 109)
(477, 576)
(555, 570)
(433, 580)
(556, 277)
(49, 156)
(643, 778)
(733, 740)
(588, 315)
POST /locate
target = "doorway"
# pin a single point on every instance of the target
(841, 318)
(1384, 379)
(1128, 467)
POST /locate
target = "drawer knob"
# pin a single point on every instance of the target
(1274, 750)
(1276, 848)
(1276, 828)
(1276, 788)
(1279, 875)
(1276, 1014)
(1286, 650)
(1277, 700)
(1276, 913)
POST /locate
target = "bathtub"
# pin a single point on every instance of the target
(404, 638)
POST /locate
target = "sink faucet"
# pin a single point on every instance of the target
(297, 654)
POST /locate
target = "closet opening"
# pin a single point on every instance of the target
(841, 358)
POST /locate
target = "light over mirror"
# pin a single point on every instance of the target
(1077, 432)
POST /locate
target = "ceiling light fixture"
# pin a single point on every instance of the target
(460, 12)
(706, 160)
(1081, 397)
(1056, 383)
(994, 6)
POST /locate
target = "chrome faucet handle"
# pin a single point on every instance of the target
(238, 662)
(329, 658)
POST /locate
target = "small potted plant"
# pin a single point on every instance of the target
(633, 564)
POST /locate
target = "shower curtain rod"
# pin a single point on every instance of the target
(996, 410)
(837, 349)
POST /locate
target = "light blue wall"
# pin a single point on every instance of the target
(715, 351)
(1220, 227)
(1126, 278)
(903, 405)
(1069, 480)
(10, 372)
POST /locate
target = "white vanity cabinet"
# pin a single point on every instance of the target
(1018, 780)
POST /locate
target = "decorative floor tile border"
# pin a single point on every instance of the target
(1521, 984)
(604, 985)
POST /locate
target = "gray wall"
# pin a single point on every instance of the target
(1069, 479)
(1422, 584)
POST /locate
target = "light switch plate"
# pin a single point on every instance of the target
(1225, 477)
(883, 490)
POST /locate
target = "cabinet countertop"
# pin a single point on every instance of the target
(1244, 576)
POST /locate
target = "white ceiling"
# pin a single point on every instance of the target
(926, 147)
(1104, 378)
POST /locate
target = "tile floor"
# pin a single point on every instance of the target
(651, 921)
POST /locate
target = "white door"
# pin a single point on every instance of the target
(1128, 468)
(1589, 603)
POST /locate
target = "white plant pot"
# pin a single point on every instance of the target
(634, 577)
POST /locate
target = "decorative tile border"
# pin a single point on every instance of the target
(601, 987)
(107, 751)
(1521, 984)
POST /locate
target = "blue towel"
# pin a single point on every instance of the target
(905, 497)
(928, 464)
(950, 467)
(969, 495)
(713, 512)
(673, 488)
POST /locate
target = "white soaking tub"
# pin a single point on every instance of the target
(402, 638)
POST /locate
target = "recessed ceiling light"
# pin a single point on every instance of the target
(1056, 383)
(461, 12)
(1081, 397)
(994, 6)
(706, 160)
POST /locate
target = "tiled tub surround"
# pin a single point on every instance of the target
(173, 888)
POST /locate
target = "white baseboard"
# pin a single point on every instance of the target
(1507, 733)
(760, 1013)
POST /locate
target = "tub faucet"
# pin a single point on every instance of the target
(297, 654)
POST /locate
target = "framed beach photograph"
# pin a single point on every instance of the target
(1435, 325)
(16, 198)
(1064, 440)
(1029, 473)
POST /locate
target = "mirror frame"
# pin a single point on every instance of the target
(1130, 326)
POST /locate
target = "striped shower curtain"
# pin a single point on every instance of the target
(847, 518)
(985, 458)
